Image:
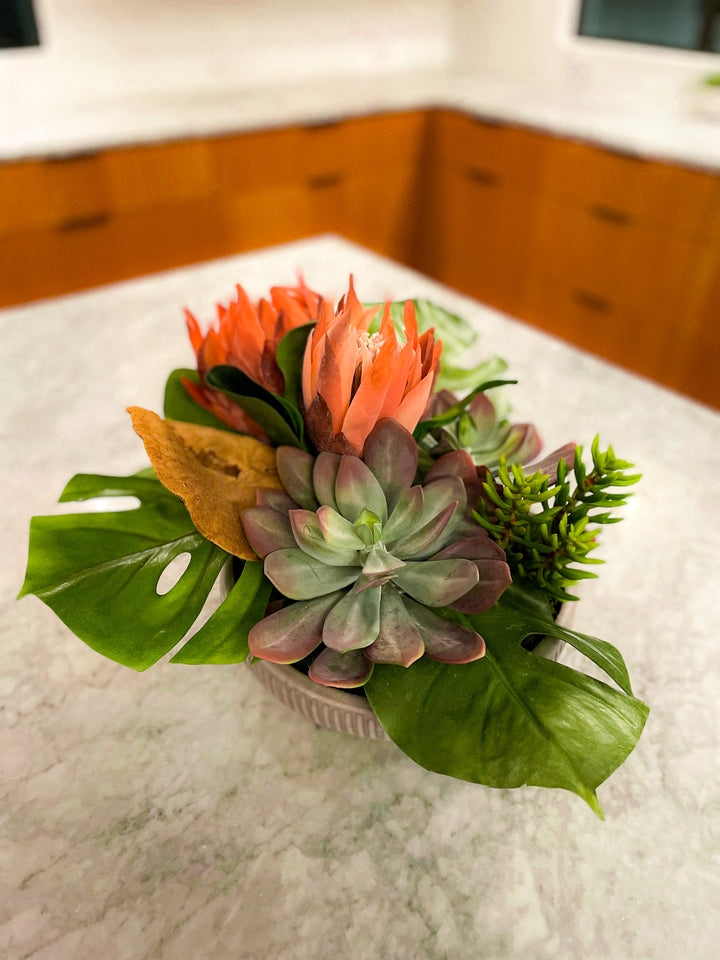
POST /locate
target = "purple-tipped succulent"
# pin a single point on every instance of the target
(483, 432)
(365, 554)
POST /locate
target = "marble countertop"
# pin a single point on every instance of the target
(658, 130)
(182, 813)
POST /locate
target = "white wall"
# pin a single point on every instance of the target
(92, 50)
(534, 41)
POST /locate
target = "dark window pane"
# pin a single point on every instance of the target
(666, 23)
(17, 24)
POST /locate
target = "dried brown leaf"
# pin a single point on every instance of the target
(215, 472)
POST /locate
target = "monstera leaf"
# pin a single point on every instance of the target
(99, 573)
(513, 718)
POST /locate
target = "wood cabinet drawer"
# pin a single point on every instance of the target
(628, 189)
(613, 289)
(141, 178)
(47, 263)
(301, 153)
(492, 151)
(39, 193)
(481, 238)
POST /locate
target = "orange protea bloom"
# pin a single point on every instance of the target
(247, 336)
(352, 379)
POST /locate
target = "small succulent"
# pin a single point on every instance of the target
(483, 431)
(365, 553)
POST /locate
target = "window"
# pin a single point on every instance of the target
(684, 24)
(17, 24)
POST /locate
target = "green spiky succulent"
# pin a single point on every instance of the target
(482, 429)
(365, 553)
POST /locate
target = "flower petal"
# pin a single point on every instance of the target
(435, 582)
(391, 455)
(354, 621)
(300, 577)
(267, 530)
(344, 670)
(445, 640)
(295, 469)
(399, 640)
(356, 489)
(309, 537)
(293, 632)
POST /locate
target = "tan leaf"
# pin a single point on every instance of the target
(215, 472)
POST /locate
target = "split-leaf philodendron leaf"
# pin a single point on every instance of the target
(513, 718)
(99, 572)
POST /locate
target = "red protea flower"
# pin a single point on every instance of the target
(352, 379)
(247, 337)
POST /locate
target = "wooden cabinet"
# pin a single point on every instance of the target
(482, 195)
(617, 254)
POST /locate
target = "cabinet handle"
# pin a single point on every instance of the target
(488, 178)
(620, 218)
(86, 222)
(324, 180)
(57, 158)
(591, 301)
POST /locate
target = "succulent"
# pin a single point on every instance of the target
(482, 430)
(365, 553)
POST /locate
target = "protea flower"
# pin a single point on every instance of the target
(353, 379)
(365, 554)
(483, 432)
(247, 336)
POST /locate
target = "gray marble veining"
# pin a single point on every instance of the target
(182, 813)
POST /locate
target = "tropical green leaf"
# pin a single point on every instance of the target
(179, 405)
(99, 572)
(289, 358)
(512, 718)
(279, 419)
(224, 637)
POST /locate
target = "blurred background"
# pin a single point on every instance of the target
(556, 159)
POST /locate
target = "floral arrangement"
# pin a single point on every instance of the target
(385, 536)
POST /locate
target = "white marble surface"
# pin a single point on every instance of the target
(660, 129)
(183, 814)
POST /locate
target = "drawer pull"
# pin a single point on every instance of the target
(610, 214)
(57, 158)
(591, 301)
(488, 178)
(85, 222)
(325, 180)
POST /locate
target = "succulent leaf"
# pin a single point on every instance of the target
(391, 454)
(356, 489)
(295, 469)
(267, 530)
(444, 639)
(354, 621)
(345, 670)
(399, 640)
(301, 577)
(324, 475)
(437, 583)
(337, 530)
(309, 537)
(423, 542)
(293, 632)
(457, 463)
(406, 516)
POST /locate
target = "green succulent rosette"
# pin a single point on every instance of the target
(365, 554)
